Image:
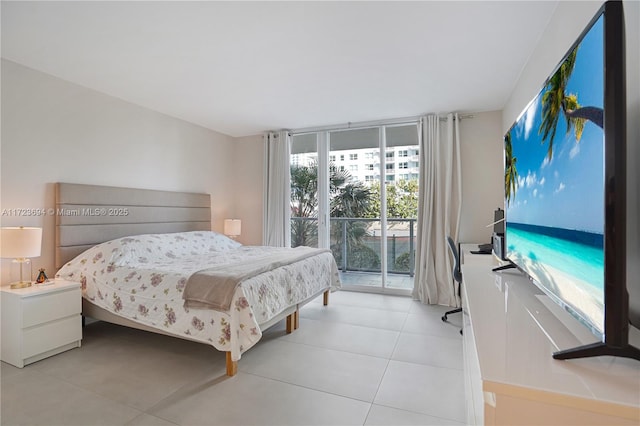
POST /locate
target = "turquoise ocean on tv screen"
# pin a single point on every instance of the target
(582, 260)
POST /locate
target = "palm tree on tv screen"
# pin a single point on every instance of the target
(556, 100)
(510, 171)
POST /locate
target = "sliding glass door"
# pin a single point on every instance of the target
(355, 191)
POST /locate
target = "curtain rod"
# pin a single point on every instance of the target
(460, 116)
(367, 124)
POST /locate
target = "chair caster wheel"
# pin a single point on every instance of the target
(461, 332)
(444, 318)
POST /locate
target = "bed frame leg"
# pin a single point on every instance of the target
(232, 366)
(290, 323)
(325, 298)
(293, 321)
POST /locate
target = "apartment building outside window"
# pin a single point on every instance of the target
(364, 228)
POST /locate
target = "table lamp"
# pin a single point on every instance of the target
(232, 227)
(20, 244)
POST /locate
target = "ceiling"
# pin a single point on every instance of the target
(244, 67)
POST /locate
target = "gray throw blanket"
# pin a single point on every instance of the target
(214, 288)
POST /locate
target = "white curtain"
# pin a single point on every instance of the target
(439, 204)
(276, 226)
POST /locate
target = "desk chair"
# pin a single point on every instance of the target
(457, 275)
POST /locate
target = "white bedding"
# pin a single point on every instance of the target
(142, 278)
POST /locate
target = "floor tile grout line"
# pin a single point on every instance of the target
(428, 365)
(402, 409)
(306, 387)
(336, 350)
(401, 311)
(341, 350)
(387, 366)
(129, 423)
(379, 386)
(405, 362)
(350, 324)
(368, 413)
(375, 308)
(417, 412)
(452, 337)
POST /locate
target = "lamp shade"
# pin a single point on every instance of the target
(232, 227)
(20, 242)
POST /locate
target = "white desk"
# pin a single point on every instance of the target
(511, 330)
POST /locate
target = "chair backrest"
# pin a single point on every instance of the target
(457, 275)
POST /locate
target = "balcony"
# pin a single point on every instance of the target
(360, 240)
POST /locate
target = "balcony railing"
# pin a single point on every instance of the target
(360, 240)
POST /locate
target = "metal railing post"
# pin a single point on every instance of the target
(393, 253)
(344, 246)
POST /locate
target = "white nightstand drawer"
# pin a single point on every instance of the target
(43, 308)
(40, 321)
(49, 336)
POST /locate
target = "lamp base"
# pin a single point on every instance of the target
(21, 284)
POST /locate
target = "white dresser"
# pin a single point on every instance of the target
(40, 321)
(511, 330)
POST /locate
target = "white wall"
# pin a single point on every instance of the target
(567, 23)
(481, 154)
(55, 131)
(248, 167)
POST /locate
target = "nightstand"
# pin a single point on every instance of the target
(40, 321)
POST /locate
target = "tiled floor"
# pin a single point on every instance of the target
(366, 359)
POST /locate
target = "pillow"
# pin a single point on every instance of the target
(180, 244)
(145, 248)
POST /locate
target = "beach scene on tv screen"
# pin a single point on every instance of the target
(554, 183)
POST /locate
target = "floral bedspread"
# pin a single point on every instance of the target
(142, 278)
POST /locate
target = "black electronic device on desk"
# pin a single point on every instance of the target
(483, 249)
(495, 246)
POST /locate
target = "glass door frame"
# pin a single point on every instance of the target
(323, 147)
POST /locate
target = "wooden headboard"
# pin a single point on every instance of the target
(87, 215)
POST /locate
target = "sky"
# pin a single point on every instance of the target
(566, 192)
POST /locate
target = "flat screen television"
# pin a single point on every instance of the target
(565, 187)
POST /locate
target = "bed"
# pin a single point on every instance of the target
(143, 256)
